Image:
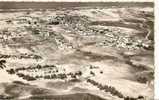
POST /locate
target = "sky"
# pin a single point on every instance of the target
(82, 0)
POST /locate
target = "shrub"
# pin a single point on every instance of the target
(39, 66)
(2, 62)
(92, 73)
(101, 72)
(129, 98)
(79, 73)
(36, 31)
(11, 71)
(29, 78)
(62, 76)
(53, 76)
(20, 74)
(106, 88)
(54, 23)
(140, 97)
(73, 76)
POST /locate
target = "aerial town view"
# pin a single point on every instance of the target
(93, 51)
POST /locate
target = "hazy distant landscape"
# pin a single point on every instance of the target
(76, 51)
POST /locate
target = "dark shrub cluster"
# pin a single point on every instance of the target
(106, 88)
(55, 76)
(11, 71)
(35, 67)
(79, 73)
(137, 67)
(112, 90)
(92, 73)
(92, 67)
(62, 76)
(26, 77)
(5, 56)
(54, 22)
(129, 98)
(101, 72)
(25, 56)
(35, 30)
(2, 63)
(74, 75)
(50, 74)
(4, 97)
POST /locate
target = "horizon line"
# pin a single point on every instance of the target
(80, 1)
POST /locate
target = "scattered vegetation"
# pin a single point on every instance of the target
(112, 90)
(106, 88)
(101, 72)
(83, 26)
(51, 72)
(5, 97)
(21, 56)
(92, 73)
(26, 77)
(11, 71)
(2, 63)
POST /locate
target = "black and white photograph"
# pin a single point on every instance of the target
(77, 50)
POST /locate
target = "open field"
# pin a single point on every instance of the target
(78, 53)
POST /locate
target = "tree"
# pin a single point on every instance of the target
(101, 72)
(92, 73)
(39, 66)
(2, 61)
(79, 73)
(140, 97)
(11, 71)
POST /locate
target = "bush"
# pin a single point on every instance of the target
(53, 76)
(26, 77)
(29, 78)
(92, 73)
(20, 74)
(2, 61)
(39, 66)
(79, 73)
(9, 21)
(11, 71)
(73, 76)
(140, 97)
(61, 76)
(129, 98)
(54, 23)
(36, 31)
(106, 88)
(101, 72)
